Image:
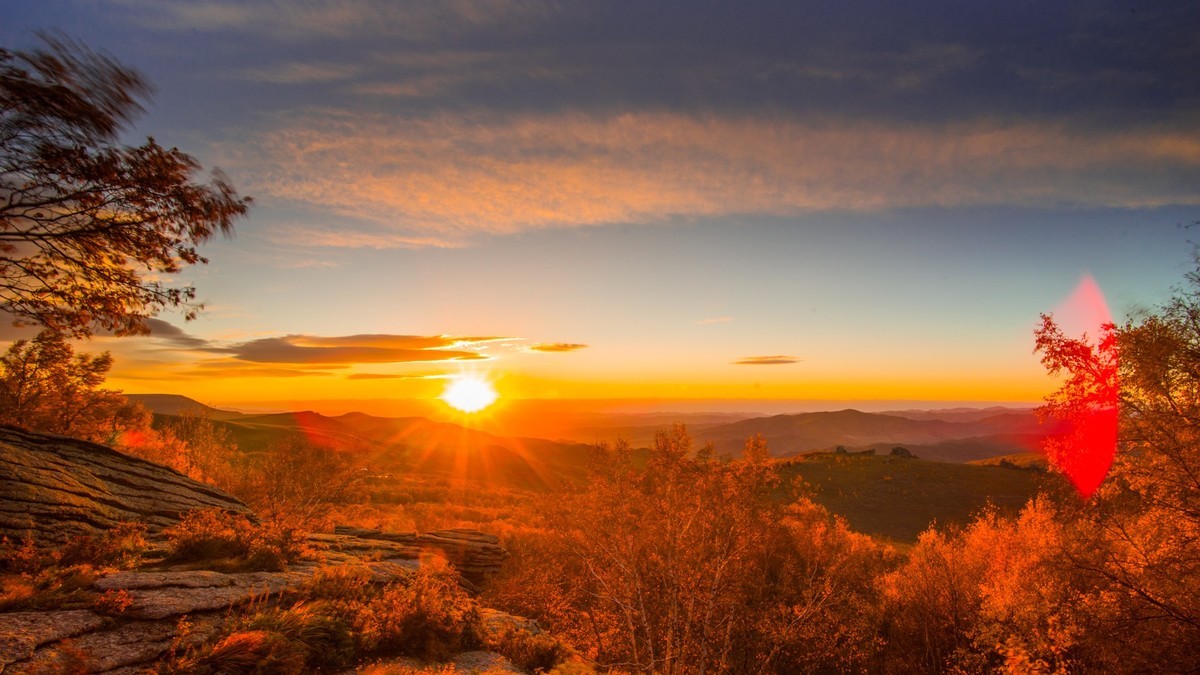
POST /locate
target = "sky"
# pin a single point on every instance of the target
(656, 201)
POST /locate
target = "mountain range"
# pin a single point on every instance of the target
(418, 443)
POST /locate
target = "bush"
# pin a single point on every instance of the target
(51, 588)
(537, 652)
(315, 629)
(231, 542)
(427, 615)
(23, 557)
(121, 546)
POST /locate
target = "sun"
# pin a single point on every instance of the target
(469, 393)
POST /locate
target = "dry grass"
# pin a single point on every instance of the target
(229, 542)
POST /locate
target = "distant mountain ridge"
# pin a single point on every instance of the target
(405, 444)
(175, 404)
(979, 434)
(418, 443)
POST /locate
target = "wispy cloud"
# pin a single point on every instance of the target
(778, 360)
(439, 180)
(296, 19)
(301, 72)
(302, 355)
(555, 347)
(309, 349)
(394, 376)
(174, 335)
(332, 238)
(235, 369)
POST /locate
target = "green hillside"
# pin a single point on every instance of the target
(897, 498)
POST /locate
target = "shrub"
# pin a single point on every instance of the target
(121, 546)
(21, 557)
(113, 602)
(51, 588)
(215, 536)
(427, 615)
(538, 652)
(315, 629)
(251, 651)
(344, 582)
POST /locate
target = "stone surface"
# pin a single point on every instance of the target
(466, 663)
(476, 556)
(53, 488)
(22, 633)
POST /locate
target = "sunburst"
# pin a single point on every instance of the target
(469, 393)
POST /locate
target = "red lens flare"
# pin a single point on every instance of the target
(1087, 401)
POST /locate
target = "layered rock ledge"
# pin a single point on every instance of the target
(53, 488)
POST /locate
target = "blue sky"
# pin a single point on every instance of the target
(886, 194)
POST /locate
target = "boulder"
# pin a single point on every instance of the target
(53, 488)
(476, 556)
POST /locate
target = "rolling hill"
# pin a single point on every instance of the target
(897, 498)
(174, 404)
(998, 432)
(891, 497)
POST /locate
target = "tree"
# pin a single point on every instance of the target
(45, 386)
(295, 483)
(207, 448)
(1142, 549)
(693, 564)
(88, 225)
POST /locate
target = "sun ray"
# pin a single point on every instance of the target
(469, 393)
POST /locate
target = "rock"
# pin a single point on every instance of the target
(902, 452)
(125, 646)
(493, 622)
(466, 663)
(158, 595)
(53, 488)
(476, 556)
(22, 633)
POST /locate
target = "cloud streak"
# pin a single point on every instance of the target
(557, 347)
(418, 20)
(301, 355)
(442, 180)
(301, 72)
(778, 360)
(309, 349)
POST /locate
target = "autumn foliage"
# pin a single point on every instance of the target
(88, 225)
(692, 563)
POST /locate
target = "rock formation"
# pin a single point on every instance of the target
(53, 488)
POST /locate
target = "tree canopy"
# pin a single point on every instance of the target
(89, 226)
(46, 386)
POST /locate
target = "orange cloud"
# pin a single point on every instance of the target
(557, 347)
(309, 349)
(300, 355)
(777, 360)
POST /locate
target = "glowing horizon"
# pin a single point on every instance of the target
(766, 204)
